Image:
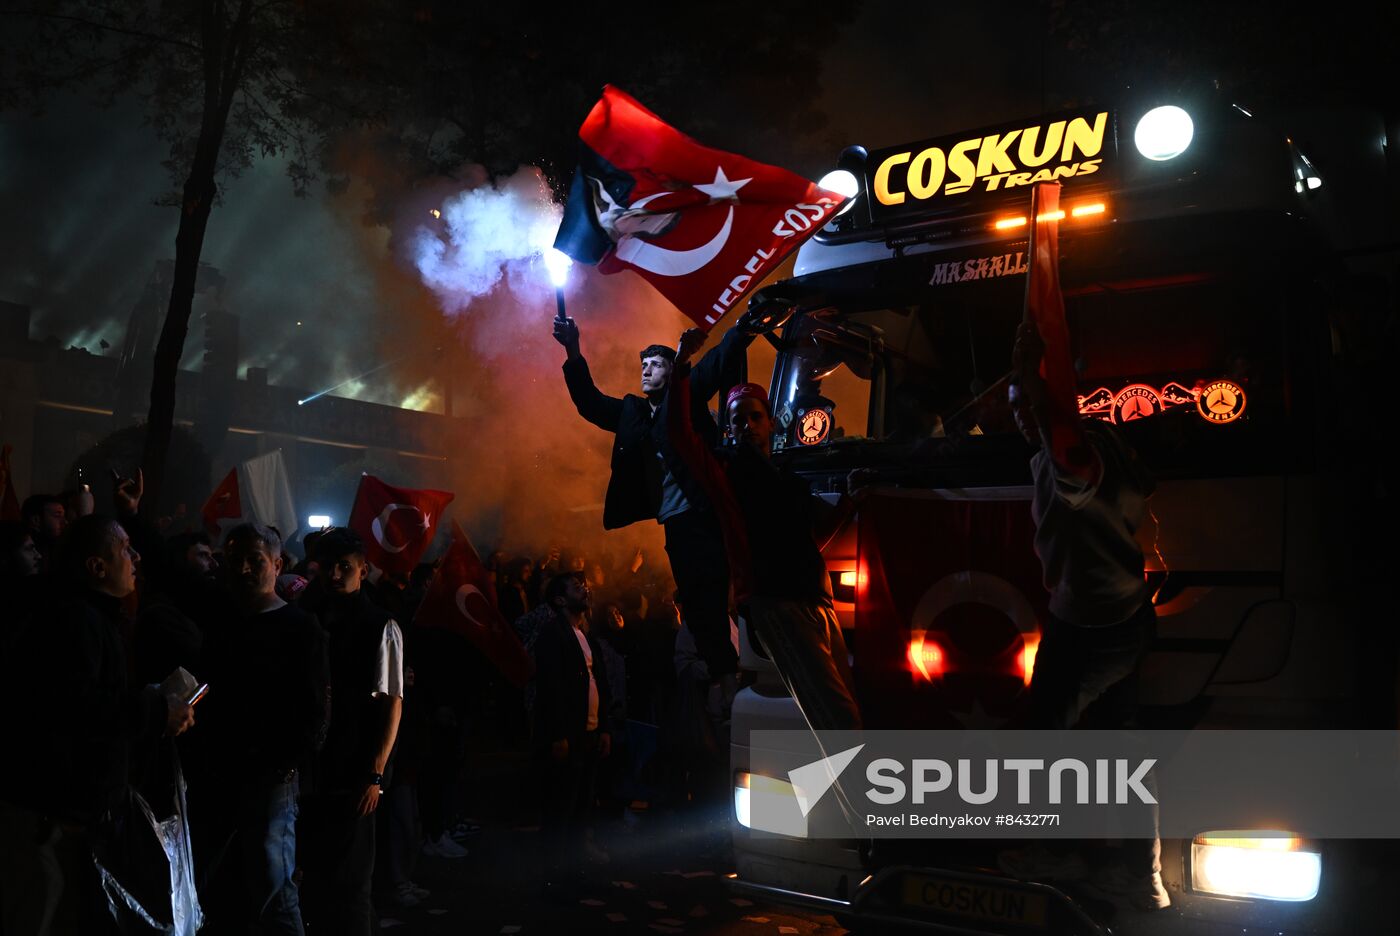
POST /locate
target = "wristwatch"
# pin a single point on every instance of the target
(376, 779)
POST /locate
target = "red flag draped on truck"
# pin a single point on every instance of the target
(701, 225)
(397, 524)
(462, 598)
(1045, 306)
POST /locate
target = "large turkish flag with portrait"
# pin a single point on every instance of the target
(397, 524)
(701, 225)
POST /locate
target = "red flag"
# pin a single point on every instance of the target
(1045, 306)
(223, 504)
(9, 503)
(462, 598)
(397, 524)
(701, 225)
(950, 624)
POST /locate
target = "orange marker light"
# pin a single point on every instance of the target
(925, 656)
(1080, 211)
(1028, 651)
(1006, 223)
(1051, 216)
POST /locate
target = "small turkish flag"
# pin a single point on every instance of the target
(223, 504)
(397, 524)
(701, 225)
(462, 598)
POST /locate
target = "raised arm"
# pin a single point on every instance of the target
(680, 422)
(707, 375)
(704, 466)
(592, 404)
(1061, 433)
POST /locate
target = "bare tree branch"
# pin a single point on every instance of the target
(105, 27)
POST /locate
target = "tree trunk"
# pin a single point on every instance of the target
(225, 54)
(197, 203)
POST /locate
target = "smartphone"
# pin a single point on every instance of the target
(198, 694)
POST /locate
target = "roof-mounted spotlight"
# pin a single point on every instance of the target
(1164, 133)
(845, 180)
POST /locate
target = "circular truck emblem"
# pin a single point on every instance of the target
(1136, 401)
(813, 426)
(1221, 402)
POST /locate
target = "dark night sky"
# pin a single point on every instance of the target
(77, 188)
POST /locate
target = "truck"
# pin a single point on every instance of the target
(1212, 317)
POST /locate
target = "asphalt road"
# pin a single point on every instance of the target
(665, 873)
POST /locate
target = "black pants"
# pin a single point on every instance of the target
(1093, 672)
(700, 567)
(338, 865)
(568, 789)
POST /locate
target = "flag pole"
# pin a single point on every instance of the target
(557, 263)
(1030, 252)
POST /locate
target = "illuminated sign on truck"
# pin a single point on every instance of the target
(924, 177)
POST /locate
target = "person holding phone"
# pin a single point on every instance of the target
(84, 718)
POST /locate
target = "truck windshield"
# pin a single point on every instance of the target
(1145, 352)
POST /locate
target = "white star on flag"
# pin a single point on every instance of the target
(722, 189)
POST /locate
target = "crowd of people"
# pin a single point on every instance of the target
(326, 751)
(305, 732)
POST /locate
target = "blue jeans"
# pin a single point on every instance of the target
(268, 850)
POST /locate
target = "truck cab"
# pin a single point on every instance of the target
(1203, 296)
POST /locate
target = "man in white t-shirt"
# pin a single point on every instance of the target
(366, 662)
(570, 730)
(1090, 497)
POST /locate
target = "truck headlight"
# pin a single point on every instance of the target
(1263, 866)
(1164, 133)
(767, 804)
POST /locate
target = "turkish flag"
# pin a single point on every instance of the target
(255, 491)
(948, 623)
(397, 524)
(1045, 306)
(701, 225)
(223, 504)
(462, 598)
(9, 503)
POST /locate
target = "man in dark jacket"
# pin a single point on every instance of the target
(650, 482)
(82, 718)
(269, 705)
(366, 659)
(570, 715)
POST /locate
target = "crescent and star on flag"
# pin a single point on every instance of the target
(628, 224)
(381, 524)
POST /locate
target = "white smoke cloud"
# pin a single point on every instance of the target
(487, 233)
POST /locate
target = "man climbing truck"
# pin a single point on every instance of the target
(1202, 292)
